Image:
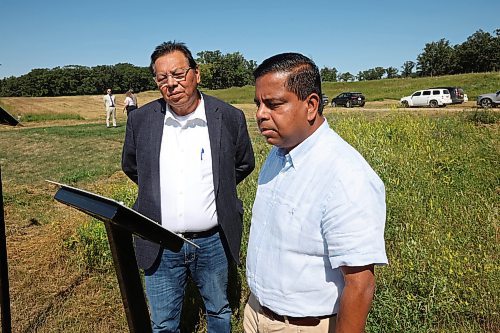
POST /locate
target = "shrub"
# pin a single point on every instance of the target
(90, 242)
(484, 117)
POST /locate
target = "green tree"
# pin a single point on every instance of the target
(328, 74)
(437, 58)
(479, 53)
(371, 74)
(37, 83)
(220, 71)
(391, 72)
(346, 77)
(105, 78)
(407, 69)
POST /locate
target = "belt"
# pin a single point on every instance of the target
(200, 234)
(297, 321)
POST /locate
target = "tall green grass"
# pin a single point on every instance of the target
(442, 179)
(442, 183)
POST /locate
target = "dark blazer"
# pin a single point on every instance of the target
(232, 161)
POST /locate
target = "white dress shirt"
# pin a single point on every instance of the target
(317, 208)
(129, 101)
(109, 101)
(186, 179)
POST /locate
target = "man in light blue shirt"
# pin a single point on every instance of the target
(318, 217)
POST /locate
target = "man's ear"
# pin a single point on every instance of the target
(198, 74)
(313, 103)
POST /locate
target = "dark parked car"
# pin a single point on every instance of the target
(349, 99)
(456, 93)
(325, 99)
(489, 100)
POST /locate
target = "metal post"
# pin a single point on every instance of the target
(4, 273)
(129, 279)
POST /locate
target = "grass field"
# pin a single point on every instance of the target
(381, 94)
(389, 90)
(440, 168)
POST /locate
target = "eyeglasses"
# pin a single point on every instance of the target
(179, 75)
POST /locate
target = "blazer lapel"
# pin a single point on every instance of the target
(156, 124)
(214, 119)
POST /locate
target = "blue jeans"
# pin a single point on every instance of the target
(165, 285)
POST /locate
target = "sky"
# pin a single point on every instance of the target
(351, 36)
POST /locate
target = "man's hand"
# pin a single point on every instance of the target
(356, 299)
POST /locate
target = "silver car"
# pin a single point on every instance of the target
(489, 100)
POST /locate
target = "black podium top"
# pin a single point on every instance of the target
(111, 211)
(6, 118)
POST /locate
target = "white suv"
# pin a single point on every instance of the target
(428, 97)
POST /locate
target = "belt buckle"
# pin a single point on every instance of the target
(305, 321)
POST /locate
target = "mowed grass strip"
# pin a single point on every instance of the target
(442, 182)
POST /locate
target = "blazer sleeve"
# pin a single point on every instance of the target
(129, 153)
(244, 159)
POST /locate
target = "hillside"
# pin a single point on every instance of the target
(378, 90)
(380, 94)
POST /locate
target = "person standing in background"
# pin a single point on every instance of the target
(134, 97)
(110, 104)
(130, 102)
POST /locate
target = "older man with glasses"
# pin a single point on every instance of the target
(187, 152)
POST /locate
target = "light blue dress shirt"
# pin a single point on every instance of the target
(317, 208)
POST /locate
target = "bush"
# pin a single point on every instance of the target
(484, 117)
(90, 240)
(91, 245)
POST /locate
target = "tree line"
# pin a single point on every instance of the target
(218, 70)
(479, 53)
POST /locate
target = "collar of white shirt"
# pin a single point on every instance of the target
(299, 155)
(195, 118)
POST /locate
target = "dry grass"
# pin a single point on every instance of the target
(49, 291)
(88, 107)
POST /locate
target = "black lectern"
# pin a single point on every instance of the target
(121, 222)
(5, 119)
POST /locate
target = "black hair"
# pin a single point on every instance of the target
(303, 74)
(169, 47)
